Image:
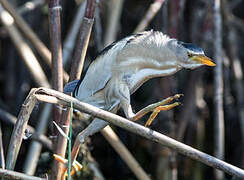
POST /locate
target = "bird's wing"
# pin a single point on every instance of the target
(97, 76)
(94, 80)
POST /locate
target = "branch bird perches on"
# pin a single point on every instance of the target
(52, 96)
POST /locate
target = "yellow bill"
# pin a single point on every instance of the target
(203, 59)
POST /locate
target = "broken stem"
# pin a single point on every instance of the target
(19, 130)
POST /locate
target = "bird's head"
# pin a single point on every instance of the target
(190, 56)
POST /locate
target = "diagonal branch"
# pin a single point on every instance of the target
(52, 96)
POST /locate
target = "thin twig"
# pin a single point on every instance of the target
(52, 96)
(30, 35)
(151, 12)
(17, 175)
(218, 100)
(2, 159)
(70, 142)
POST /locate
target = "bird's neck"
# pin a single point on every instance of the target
(143, 65)
(146, 58)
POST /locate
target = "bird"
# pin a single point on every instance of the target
(122, 67)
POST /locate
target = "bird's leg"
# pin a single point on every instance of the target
(91, 129)
(123, 94)
(156, 108)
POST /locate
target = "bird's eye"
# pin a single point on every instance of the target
(190, 54)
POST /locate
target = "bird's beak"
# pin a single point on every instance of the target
(203, 60)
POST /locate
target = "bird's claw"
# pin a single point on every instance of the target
(177, 96)
(161, 108)
(157, 107)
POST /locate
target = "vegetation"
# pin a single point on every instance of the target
(47, 44)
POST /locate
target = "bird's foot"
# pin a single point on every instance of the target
(157, 107)
(76, 166)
